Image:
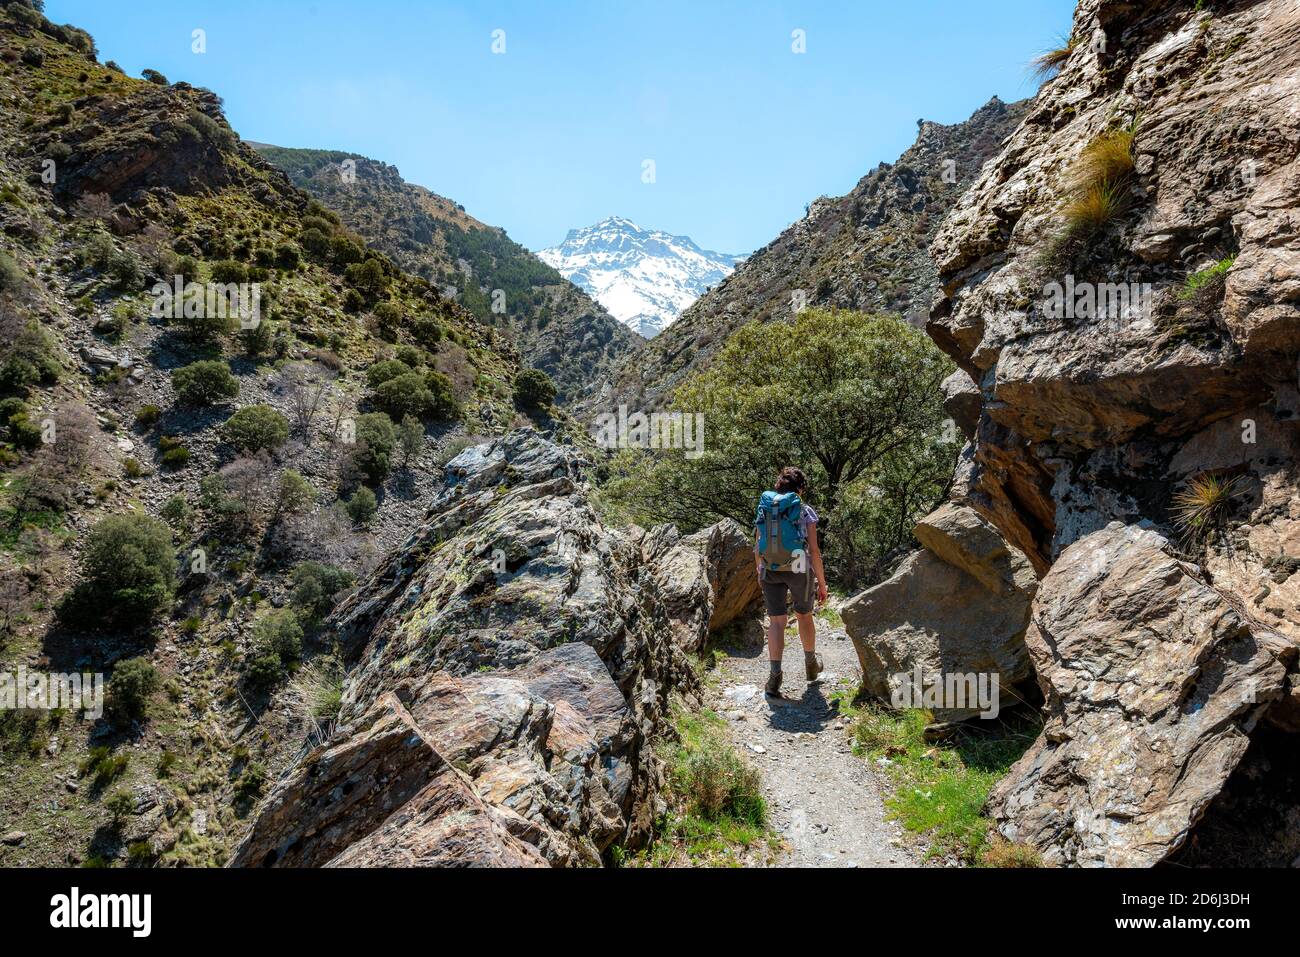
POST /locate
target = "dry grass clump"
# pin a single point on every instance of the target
(1048, 64)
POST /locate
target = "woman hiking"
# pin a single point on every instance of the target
(789, 562)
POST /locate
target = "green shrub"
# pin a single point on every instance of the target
(120, 805)
(386, 369)
(316, 242)
(361, 507)
(29, 360)
(376, 438)
(128, 570)
(316, 587)
(287, 256)
(177, 513)
(176, 457)
(12, 277)
(256, 428)
(134, 681)
(153, 76)
(427, 332)
(277, 642)
(534, 389)
(405, 395)
(279, 632)
(125, 272)
(229, 271)
(205, 382)
(148, 416)
(105, 767)
(296, 493)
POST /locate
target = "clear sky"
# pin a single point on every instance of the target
(553, 133)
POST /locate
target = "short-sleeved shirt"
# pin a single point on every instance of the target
(808, 520)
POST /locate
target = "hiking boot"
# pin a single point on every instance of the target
(773, 686)
(812, 664)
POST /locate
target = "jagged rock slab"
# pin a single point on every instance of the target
(708, 579)
(959, 606)
(529, 650)
(1153, 681)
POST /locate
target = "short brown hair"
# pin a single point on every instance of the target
(791, 479)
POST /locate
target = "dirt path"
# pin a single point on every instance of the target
(826, 802)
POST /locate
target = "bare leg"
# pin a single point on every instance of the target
(775, 637)
(807, 632)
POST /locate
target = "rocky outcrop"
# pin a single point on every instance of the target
(959, 606)
(1174, 358)
(708, 580)
(1215, 176)
(509, 664)
(1153, 681)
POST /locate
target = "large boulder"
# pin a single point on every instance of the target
(1152, 679)
(959, 606)
(508, 666)
(707, 580)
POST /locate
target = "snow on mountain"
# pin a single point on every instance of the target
(644, 277)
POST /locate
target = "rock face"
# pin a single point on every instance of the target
(1098, 414)
(508, 665)
(1153, 681)
(708, 579)
(1081, 414)
(959, 606)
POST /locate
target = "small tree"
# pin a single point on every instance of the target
(316, 588)
(534, 389)
(256, 428)
(296, 493)
(410, 436)
(205, 382)
(372, 455)
(129, 573)
(134, 681)
(362, 506)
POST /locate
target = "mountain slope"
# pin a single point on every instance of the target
(645, 277)
(865, 250)
(239, 482)
(554, 324)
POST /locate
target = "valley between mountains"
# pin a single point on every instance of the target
(367, 590)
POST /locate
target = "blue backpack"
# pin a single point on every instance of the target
(782, 543)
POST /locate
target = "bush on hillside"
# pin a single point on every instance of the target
(256, 428)
(205, 382)
(128, 571)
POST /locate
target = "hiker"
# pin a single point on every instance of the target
(789, 562)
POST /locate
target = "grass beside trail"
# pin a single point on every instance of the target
(716, 815)
(940, 789)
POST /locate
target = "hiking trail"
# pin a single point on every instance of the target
(826, 802)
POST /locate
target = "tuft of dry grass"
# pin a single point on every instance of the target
(1095, 207)
(1107, 159)
(1003, 853)
(1100, 181)
(1048, 64)
(1201, 509)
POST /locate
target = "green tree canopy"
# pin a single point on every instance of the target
(853, 399)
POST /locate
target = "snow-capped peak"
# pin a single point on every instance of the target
(646, 278)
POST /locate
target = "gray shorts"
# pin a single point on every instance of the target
(800, 586)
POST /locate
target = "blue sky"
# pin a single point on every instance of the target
(553, 133)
